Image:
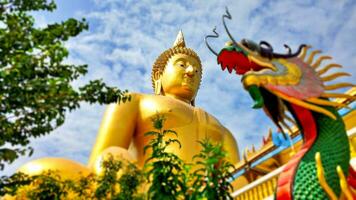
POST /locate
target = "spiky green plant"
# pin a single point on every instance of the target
(164, 168)
(211, 179)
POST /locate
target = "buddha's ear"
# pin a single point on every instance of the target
(158, 86)
(158, 83)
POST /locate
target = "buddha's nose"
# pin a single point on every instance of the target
(189, 70)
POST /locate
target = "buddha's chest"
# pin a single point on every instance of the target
(175, 112)
(190, 123)
(179, 116)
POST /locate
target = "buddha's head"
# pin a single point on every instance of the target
(177, 72)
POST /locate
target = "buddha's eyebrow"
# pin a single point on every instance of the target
(179, 59)
(185, 60)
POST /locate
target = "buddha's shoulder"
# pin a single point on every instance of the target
(135, 95)
(212, 119)
(151, 98)
(207, 114)
(142, 96)
(159, 103)
(138, 97)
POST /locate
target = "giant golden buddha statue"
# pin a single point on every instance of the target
(176, 76)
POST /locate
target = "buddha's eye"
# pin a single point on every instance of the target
(181, 64)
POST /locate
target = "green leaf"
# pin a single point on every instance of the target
(36, 88)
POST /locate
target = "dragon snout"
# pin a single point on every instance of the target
(231, 59)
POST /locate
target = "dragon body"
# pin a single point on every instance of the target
(292, 89)
(321, 134)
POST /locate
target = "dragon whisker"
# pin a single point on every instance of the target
(211, 36)
(228, 16)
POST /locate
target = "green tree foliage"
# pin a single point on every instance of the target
(119, 181)
(48, 185)
(107, 182)
(10, 185)
(164, 176)
(35, 82)
(129, 183)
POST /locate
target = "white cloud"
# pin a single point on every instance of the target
(125, 37)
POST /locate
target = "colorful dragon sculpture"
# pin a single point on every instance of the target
(295, 83)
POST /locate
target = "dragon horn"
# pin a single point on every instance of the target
(288, 49)
(289, 54)
(268, 45)
(211, 36)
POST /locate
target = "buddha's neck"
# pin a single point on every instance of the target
(179, 98)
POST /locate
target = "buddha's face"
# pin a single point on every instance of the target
(181, 77)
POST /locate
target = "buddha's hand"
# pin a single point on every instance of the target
(256, 95)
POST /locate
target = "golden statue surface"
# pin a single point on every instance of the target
(176, 77)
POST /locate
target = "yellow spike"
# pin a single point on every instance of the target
(325, 102)
(304, 104)
(338, 86)
(318, 62)
(246, 152)
(321, 177)
(343, 183)
(334, 76)
(304, 52)
(285, 125)
(286, 117)
(291, 121)
(337, 95)
(327, 67)
(311, 57)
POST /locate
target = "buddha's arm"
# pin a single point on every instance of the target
(117, 127)
(230, 146)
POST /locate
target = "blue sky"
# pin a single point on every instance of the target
(126, 36)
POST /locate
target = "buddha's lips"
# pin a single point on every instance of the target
(233, 60)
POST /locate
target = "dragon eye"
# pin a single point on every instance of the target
(244, 42)
(229, 43)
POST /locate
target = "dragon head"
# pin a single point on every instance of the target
(233, 57)
(290, 77)
(256, 61)
(258, 64)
